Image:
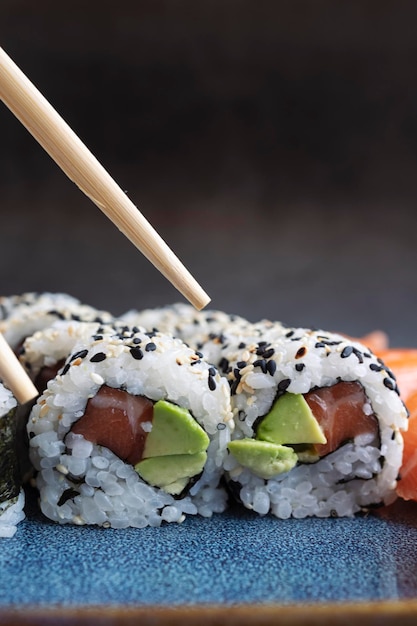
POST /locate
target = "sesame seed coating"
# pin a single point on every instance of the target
(96, 358)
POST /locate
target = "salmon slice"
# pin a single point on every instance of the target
(114, 418)
(339, 410)
(407, 486)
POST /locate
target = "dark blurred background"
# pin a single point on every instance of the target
(273, 144)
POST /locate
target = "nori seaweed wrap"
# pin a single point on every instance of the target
(11, 492)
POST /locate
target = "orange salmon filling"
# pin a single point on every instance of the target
(339, 410)
(122, 430)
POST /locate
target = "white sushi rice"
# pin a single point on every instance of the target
(7, 400)
(36, 313)
(184, 321)
(11, 513)
(109, 492)
(357, 475)
(49, 346)
(11, 510)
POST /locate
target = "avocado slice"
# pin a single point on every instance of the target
(171, 473)
(174, 432)
(290, 421)
(263, 458)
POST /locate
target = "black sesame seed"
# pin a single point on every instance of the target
(284, 384)
(289, 334)
(260, 363)
(79, 355)
(150, 347)
(196, 362)
(237, 373)
(358, 354)
(268, 353)
(375, 368)
(320, 344)
(347, 351)
(211, 383)
(212, 371)
(389, 383)
(199, 354)
(242, 345)
(136, 340)
(97, 337)
(65, 369)
(271, 367)
(241, 364)
(136, 353)
(233, 386)
(299, 367)
(223, 364)
(96, 358)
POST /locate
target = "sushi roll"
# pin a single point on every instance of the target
(318, 426)
(44, 353)
(30, 299)
(133, 431)
(184, 321)
(12, 498)
(27, 314)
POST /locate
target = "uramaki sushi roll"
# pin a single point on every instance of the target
(133, 431)
(184, 321)
(12, 498)
(44, 353)
(31, 312)
(318, 426)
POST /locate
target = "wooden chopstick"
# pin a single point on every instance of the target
(74, 158)
(14, 375)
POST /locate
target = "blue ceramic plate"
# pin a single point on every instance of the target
(229, 560)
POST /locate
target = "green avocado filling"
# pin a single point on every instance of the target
(175, 449)
(284, 436)
(171, 473)
(290, 421)
(263, 458)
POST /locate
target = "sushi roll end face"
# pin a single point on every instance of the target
(12, 497)
(132, 432)
(318, 427)
(9, 464)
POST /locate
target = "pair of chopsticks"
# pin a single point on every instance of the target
(73, 157)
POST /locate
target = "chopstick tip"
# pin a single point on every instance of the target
(202, 302)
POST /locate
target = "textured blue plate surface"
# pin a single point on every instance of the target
(229, 559)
